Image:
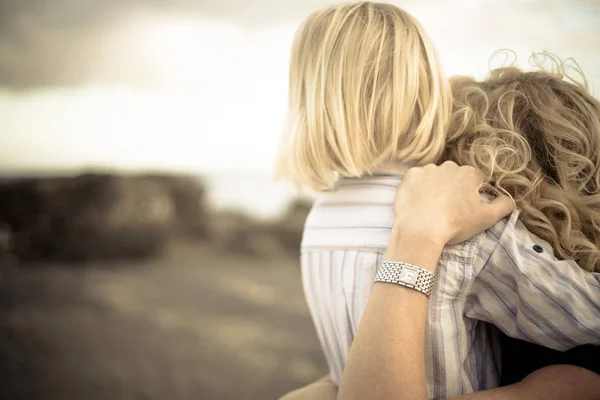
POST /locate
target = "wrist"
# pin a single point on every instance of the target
(418, 248)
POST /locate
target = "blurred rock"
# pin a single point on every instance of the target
(8, 260)
(237, 233)
(290, 227)
(6, 238)
(188, 198)
(100, 216)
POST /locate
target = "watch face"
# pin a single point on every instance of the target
(409, 275)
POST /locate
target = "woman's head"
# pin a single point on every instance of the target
(365, 87)
(537, 137)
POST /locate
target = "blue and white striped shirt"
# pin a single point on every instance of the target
(505, 276)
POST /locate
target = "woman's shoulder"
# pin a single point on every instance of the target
(358, 213)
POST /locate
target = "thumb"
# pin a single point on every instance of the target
(495, 210)
(486, 216)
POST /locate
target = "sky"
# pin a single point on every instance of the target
(201, 86)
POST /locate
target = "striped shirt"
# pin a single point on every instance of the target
(505, 276)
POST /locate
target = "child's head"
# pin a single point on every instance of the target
(366, 87)
(537, 137)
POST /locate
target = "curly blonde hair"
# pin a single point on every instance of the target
(537, 138)
(365, 88)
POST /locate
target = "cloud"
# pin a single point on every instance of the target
(72, 42)
(68, 42)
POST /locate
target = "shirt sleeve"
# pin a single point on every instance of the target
(521, 288)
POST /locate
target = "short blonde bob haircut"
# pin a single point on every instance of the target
(365, 88)
(536, 136)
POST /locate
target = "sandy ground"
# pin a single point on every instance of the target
(193, 325)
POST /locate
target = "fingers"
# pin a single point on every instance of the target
(472, 173)
(497, 209)
(449, 164)
(467, 172)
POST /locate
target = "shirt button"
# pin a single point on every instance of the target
(538, 248)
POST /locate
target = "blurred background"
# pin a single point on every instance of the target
(145, 251)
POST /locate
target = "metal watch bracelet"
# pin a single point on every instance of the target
(407, 275)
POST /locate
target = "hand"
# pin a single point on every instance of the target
(443, 203)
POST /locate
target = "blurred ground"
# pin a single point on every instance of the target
(191, 324)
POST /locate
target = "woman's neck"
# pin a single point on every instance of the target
(394, 167)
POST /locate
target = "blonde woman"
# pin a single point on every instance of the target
(367, 95)
(368, 100)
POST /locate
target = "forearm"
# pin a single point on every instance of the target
(556, 382)
(434, 205)
(386, 359)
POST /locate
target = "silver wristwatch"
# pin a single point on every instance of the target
(404, 274)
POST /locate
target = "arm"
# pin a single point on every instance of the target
(382, 366)
(433, 206)
(556, 382)
(387, 357)
(515, 367)
(383, 363)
